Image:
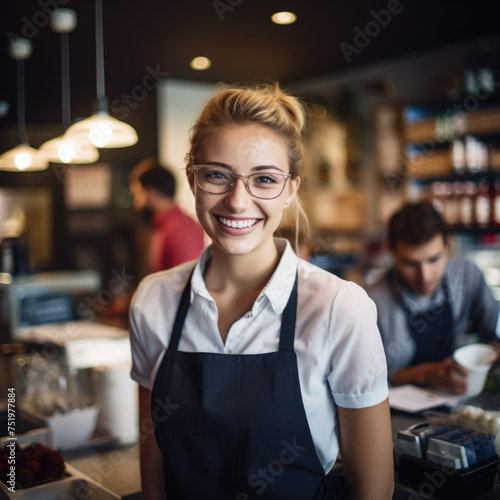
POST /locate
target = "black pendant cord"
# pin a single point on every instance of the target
(21, 111)
(99, 41)
(65, 81)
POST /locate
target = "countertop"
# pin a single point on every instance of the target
(114, 467)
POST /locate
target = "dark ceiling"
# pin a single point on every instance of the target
(237, 35)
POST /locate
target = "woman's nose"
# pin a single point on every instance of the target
(238, 198)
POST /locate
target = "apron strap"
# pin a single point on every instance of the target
(181, 315)
(287, 333)
(431, 330)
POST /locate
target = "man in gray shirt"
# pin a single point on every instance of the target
(426, 301)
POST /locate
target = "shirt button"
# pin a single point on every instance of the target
(260, 298)
(248, 315)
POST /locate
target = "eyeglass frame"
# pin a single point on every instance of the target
(244, 178)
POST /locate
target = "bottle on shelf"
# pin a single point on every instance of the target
(466, 205)
(458, 155)
(482, 205)
(476, 154)
(450, 204)
(495, 205)
(436, 196)
(458, 158)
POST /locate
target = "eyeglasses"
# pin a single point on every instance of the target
(219, 180)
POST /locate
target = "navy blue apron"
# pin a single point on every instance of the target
(239, 430)
(432, 330)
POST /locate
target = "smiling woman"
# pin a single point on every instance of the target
(268, 379)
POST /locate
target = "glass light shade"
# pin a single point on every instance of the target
(23, 158)
(104, 131)
(74, 149)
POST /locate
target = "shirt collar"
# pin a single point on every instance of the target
(198, 286)
(281, 283)
(279, 287)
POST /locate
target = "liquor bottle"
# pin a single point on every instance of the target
(495, 205)
(482, 207)
(436, 196)
(466, 205)
(458, 155)
(450, 205)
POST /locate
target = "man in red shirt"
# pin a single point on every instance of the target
(176, 238)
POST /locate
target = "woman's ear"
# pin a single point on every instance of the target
(293, 186)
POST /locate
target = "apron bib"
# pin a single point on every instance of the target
(432, 330)
(239, 430)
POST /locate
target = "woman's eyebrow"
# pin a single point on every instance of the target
(266, 167)
(258, 168)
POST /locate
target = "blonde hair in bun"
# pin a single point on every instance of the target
(262, 103)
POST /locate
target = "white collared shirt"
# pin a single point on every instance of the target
(339, 350)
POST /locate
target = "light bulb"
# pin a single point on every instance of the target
(201, 63)
(66, 152)
(284, 18)
(22, 161)
(104, 131)
(100, 133)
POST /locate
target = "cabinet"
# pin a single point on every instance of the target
(451, 154)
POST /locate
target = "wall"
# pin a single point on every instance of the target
(179, 103)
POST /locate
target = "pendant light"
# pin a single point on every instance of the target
(103, 130)
(67, 149)
(23, 157)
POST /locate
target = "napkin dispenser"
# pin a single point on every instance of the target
(411, 441)
(447, 463)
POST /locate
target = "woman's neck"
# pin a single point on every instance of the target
(235, 282)
(241, 273)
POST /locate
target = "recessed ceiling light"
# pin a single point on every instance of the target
(283, 18)
(201, 63)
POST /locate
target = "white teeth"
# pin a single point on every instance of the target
(240, 224)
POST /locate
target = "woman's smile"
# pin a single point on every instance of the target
(238, 222)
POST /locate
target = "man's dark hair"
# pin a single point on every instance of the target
(152, 174)
(416, 224)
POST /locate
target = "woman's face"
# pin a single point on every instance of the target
(243, 149)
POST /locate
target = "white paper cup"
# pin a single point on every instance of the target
(478, 359)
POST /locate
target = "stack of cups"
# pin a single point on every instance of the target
(118, 403)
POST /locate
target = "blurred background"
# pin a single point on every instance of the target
(388, 85)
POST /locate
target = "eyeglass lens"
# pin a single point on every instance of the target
(219, 180)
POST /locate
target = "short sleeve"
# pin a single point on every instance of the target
(358, 371)
(145, 344)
